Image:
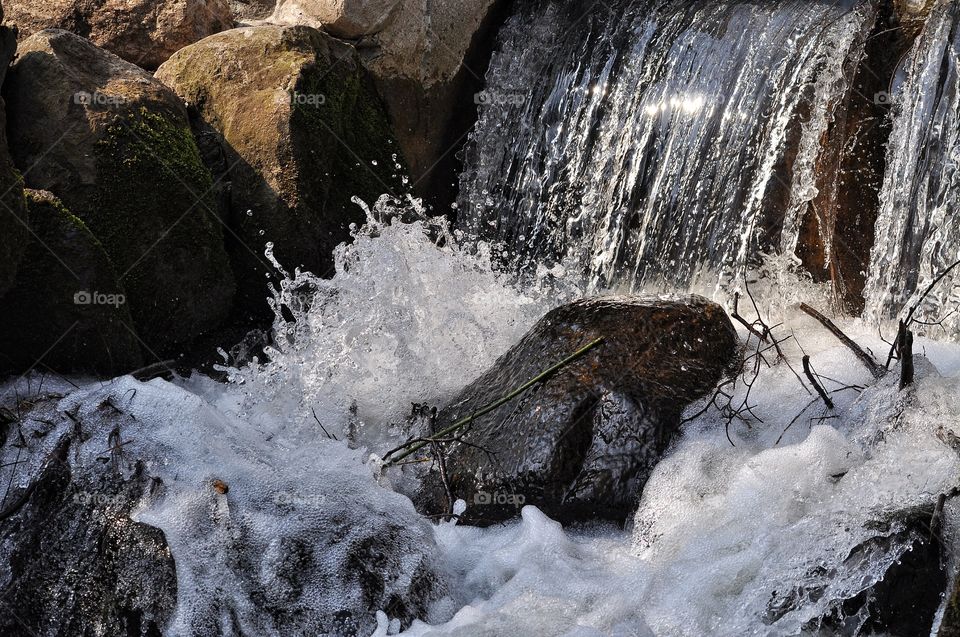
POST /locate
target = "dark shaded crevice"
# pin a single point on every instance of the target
(851, 169)
(437, 175)
(573, 446)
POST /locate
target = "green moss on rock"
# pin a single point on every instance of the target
(124, 160)
(67, 311)
(152, 208)
(302, 132)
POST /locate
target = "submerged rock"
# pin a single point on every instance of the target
(301, 132)
(144, 32)
(67, 309)
(115, 146)
(581, 444)
(140, 509)
(72, 561)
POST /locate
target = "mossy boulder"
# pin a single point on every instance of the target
(144, 32)
(115, 145)
(300, 130)
(66, 311)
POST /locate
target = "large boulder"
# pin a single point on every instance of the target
(581, 444)
(300, 132)
(428, 59)
(115, 145)
(343, 18)
(67, 310)
(247, 10)
(144, 32)
(13, 209)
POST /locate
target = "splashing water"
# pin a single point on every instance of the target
(767, 537)
(405, 319)
(651, 146)
(727, 540)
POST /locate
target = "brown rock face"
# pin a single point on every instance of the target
(429, 63)
(838, 228)
(144, 32)
(291, 122)
(428, 60)
(581, 444)
(349, 19)
(115, 146)
(244, 10)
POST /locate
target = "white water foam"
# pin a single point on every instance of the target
(720, 527)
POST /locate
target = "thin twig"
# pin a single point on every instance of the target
(327, 433)
(858, 351)
(913, 308)
(816, 385)
(411, 449)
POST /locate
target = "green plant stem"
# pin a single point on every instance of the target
(498, 403)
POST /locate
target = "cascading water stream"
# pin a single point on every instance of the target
(644, 143)
(673, 138)
(918, 229)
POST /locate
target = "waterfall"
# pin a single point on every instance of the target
(918, 229)
(644, 143)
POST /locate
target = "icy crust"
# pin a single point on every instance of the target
(269, 538)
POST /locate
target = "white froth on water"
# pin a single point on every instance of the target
(728, 539)
(755, 538)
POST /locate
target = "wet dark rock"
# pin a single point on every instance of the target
(247, 560)
(904, 601)
(73, 562)
(13, 208)
(950, 625)
(115, 146)
(67, 308)
(581, 445)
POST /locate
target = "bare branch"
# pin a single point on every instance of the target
(875, 369)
